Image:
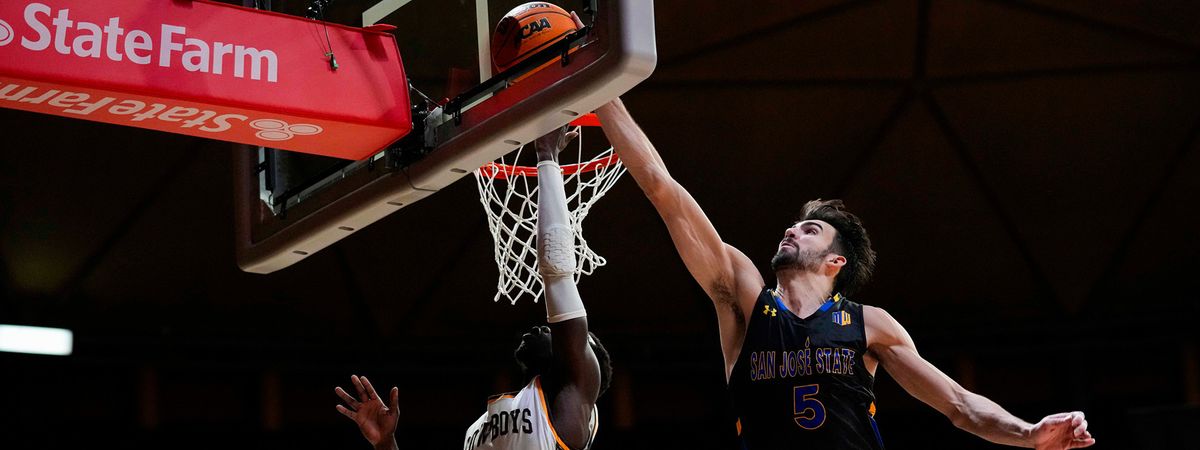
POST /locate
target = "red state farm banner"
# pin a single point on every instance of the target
(205, 69)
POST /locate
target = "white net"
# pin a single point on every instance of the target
(509, 196)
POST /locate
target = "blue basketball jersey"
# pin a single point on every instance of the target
(801, 383)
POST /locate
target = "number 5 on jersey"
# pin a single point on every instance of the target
(810, 412)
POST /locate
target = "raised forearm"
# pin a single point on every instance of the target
(556, 247)
(982, 417)
(633, 147)
(708, 259)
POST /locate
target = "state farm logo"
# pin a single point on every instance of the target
(6, 33)
(278, 130)
(163, 44)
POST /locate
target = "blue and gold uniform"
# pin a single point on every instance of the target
(801, 383)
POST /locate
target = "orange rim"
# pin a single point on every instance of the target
(586, 120)
(503, 171)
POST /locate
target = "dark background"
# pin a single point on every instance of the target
(1027, 170)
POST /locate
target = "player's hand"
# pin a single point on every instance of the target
(1062, 431)
(376, 421)
(553, 142)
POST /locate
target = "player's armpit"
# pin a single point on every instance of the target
(570, 415)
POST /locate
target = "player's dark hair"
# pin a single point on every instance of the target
(605, 363)
(852, 242)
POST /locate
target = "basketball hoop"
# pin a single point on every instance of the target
(510, 200)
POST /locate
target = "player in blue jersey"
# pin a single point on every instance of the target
(800, 357)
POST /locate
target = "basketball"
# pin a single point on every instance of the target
(527, 29)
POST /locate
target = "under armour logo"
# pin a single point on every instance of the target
(6, 33)
(278, 130)
(768, 310)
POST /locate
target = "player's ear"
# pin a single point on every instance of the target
(835, 260)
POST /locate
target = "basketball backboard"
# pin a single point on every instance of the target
(290, 206)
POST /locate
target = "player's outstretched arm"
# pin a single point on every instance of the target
(890, 343)
(376, 421)
(576, 379)
(726, 274)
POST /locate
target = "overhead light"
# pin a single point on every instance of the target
(35, 340)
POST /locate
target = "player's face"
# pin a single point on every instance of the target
(534, 351)
(804, 246)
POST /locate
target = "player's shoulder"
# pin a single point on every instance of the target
(849, 303)
(501, 397)
(872, 308)
(880, 326)
(876, 314)
(877, 318)
(531, 386)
